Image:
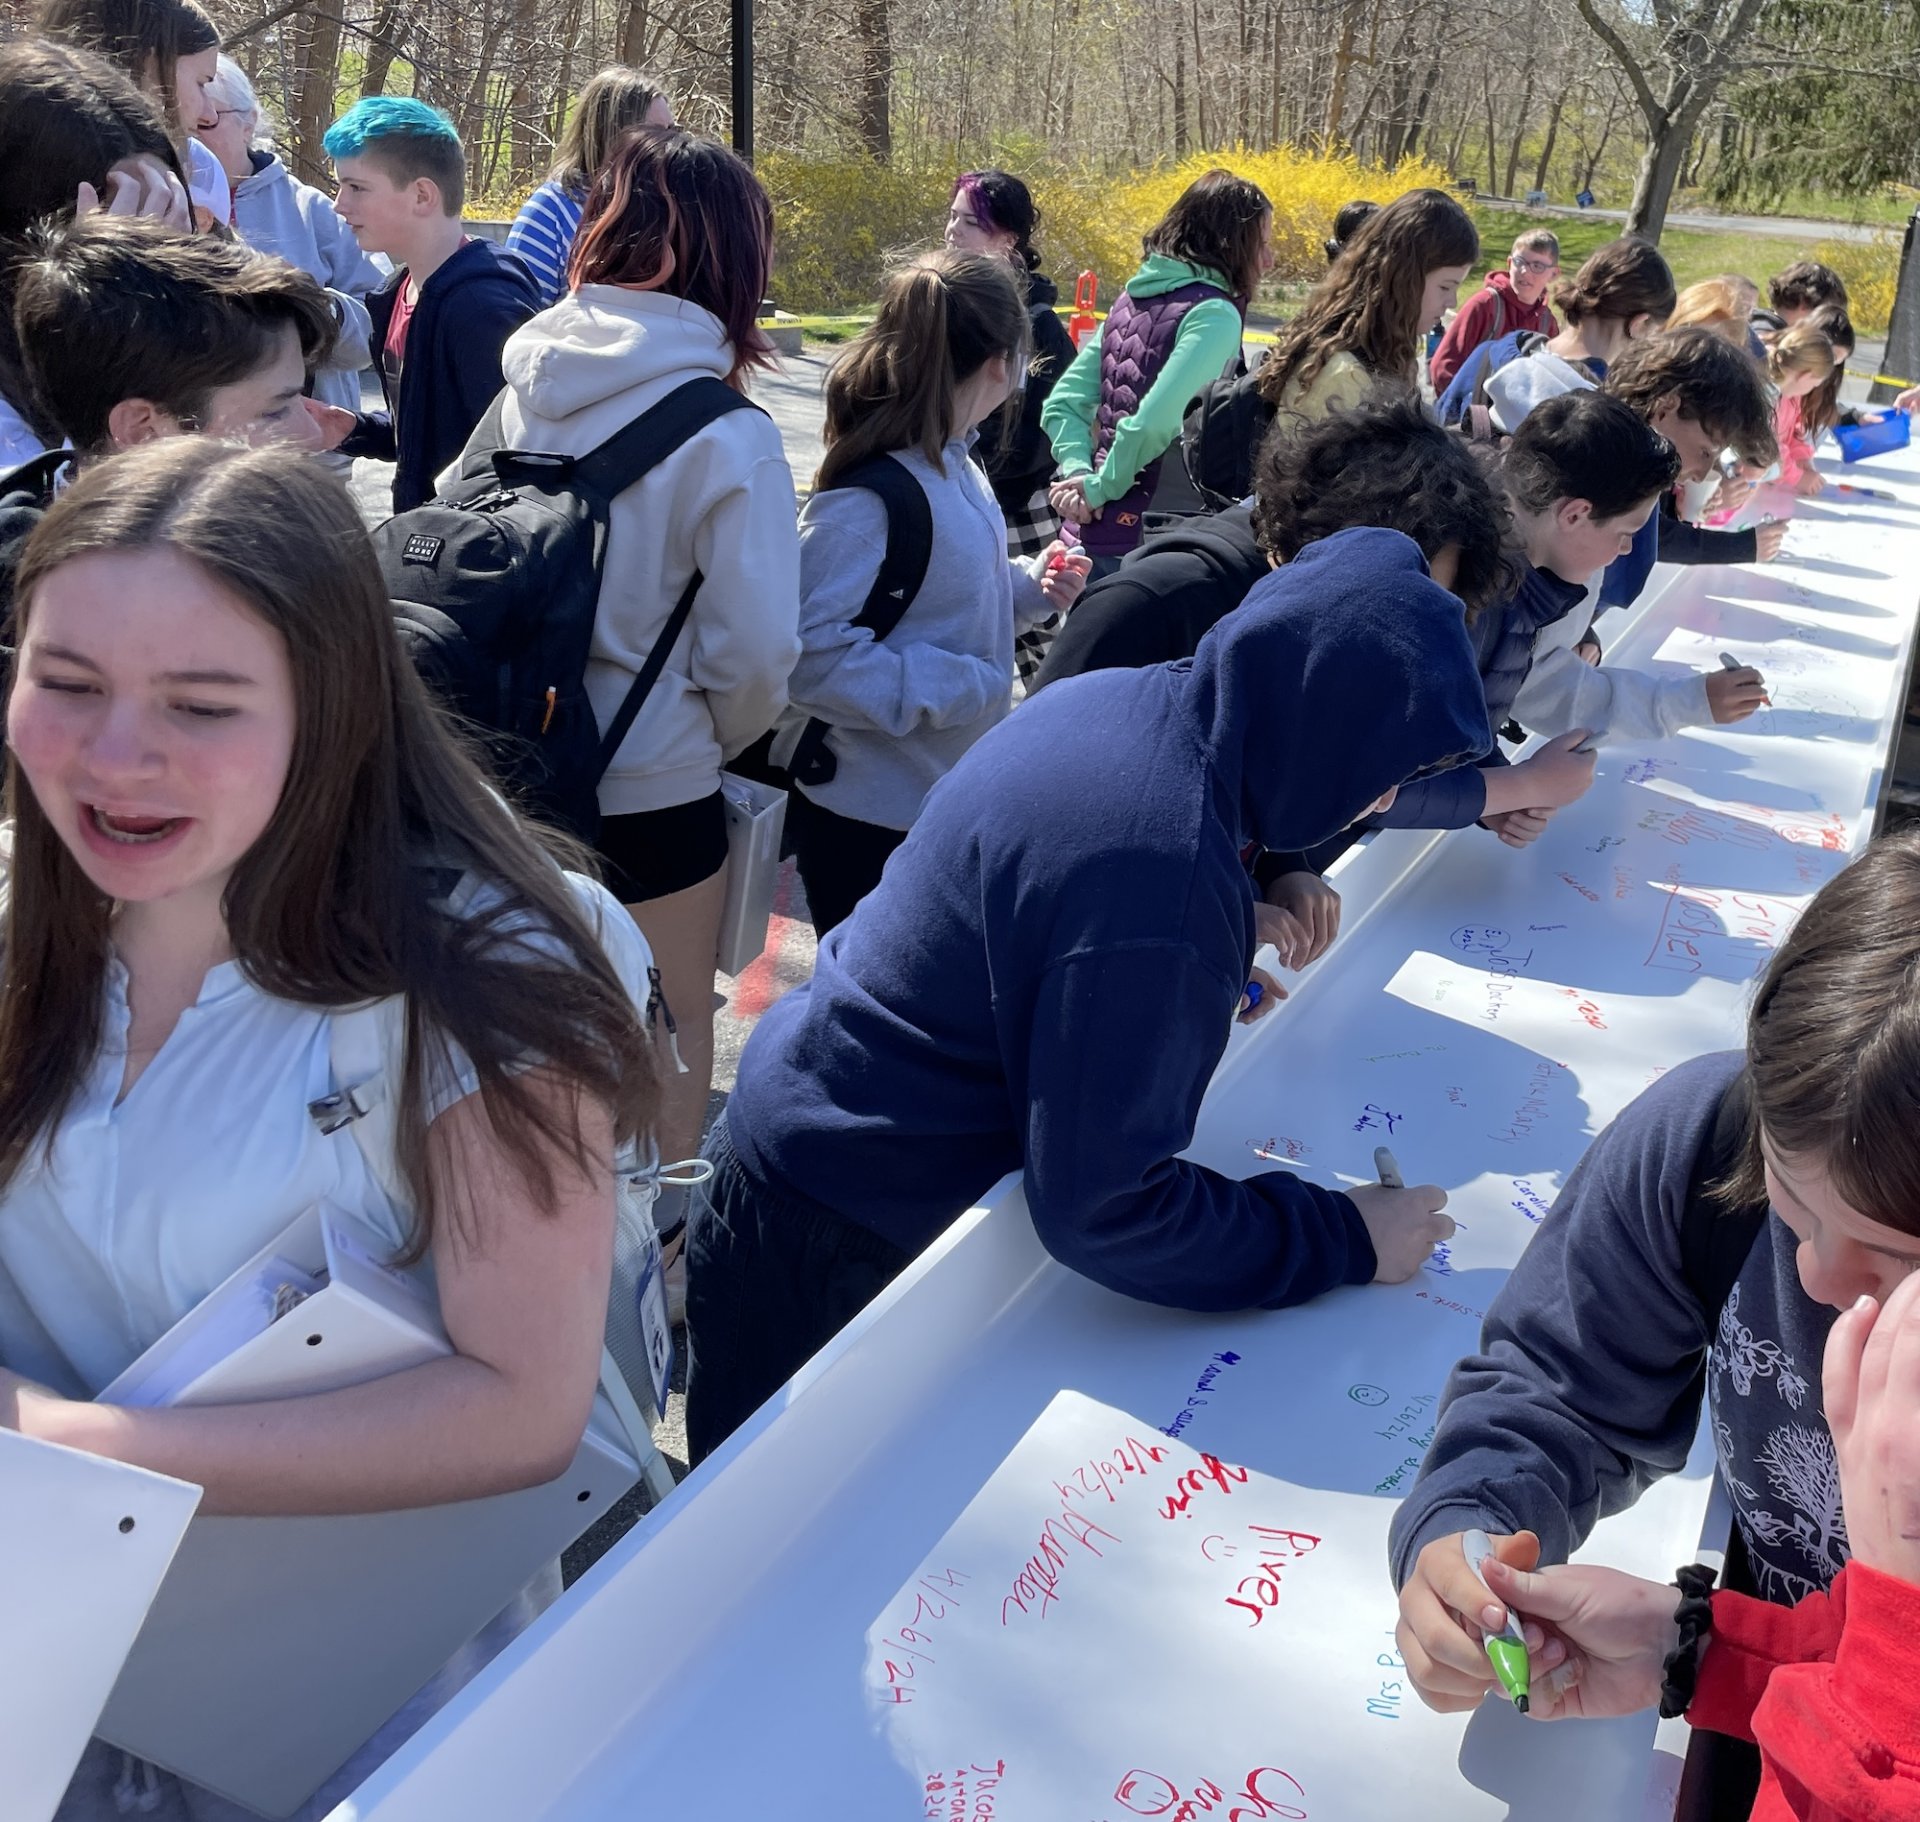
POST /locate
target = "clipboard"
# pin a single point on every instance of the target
(85, 1542)
(276, 1647)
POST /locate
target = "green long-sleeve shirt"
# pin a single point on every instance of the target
(1207, 340)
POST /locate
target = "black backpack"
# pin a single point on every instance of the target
(903, 567)
(1221, 435)
(495, 585)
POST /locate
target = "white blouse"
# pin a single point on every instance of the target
(138, 1211)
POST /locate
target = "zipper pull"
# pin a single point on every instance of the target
(658, 1009)
(553, 697)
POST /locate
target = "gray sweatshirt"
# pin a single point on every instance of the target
(276, 213)
(905, 708)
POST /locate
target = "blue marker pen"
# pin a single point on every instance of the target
(1255, 994)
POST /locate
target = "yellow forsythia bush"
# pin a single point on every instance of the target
(1306, 189)
(1872, 271)
(837, 219)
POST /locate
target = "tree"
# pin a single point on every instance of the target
(1689, 52)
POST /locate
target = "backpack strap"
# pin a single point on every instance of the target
(624, 460)
(630, 455)
(1499, 314)
(1714, 1239)
(903, 568)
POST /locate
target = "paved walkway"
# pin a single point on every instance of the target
(1773, 227)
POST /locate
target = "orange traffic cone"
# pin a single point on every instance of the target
(1081, 324)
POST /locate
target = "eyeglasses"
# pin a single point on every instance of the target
(1536, 265)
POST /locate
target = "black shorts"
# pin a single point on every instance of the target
(652, 853)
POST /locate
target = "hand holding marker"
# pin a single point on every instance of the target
(1507, 1648)
(1728, 662)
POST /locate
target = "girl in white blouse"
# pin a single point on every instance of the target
(234, 810)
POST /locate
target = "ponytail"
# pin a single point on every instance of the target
(942, 317)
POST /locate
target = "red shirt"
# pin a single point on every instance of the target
(393, 352)
(1477, 319)
(1829, 1691)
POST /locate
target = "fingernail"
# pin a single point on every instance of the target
(1863, 1304)
(1493, 1618)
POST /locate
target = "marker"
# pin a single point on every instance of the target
(1507, 1648)
(1592, 742)
(1866, 493)
(1387, 1169)
(1728, 662)
(1255, 994)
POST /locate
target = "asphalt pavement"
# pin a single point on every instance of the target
(1774, 227)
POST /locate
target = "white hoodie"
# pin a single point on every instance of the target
(722, 504)
(1562, 690)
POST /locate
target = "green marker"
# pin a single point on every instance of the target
(1507, 1649)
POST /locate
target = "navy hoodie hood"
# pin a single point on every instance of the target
(1046, 974)
(1285, 694)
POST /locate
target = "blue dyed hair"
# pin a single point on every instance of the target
(406, 139)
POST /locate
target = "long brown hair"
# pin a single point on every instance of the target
(1218, 221)
(1833, 1041)
(338, 901)
(942, 317)
(1820, 409)
(614, 100)
(146, 38)
(1368, 305)
(676, 212)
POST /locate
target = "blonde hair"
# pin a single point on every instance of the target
(942, 317)
(1801, 349)
(1711, 304)
(614, 101)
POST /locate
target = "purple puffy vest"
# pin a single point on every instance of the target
(1134, 345)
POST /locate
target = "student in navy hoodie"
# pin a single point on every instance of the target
(440, 322)
(1045, 977)
(1699, 1253)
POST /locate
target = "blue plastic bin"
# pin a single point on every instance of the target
(1858, 441)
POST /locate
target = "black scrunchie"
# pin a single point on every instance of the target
(1694, 1616)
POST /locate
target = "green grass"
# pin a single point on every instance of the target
(1888, 206)
(1693, 253)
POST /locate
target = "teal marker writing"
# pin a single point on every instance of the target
(1507, 1649)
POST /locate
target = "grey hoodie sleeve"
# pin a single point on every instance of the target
(1588, 1382)
(847, 677)
(348, 275)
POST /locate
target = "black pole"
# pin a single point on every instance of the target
(1901, 363)
(743, 77)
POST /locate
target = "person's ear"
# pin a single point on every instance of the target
(1571, 514)
(135, 421)
(426, 197)
(1641, 325)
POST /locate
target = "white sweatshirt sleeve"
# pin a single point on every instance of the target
(1562, 693)
(1030, 606)
(745, 618)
